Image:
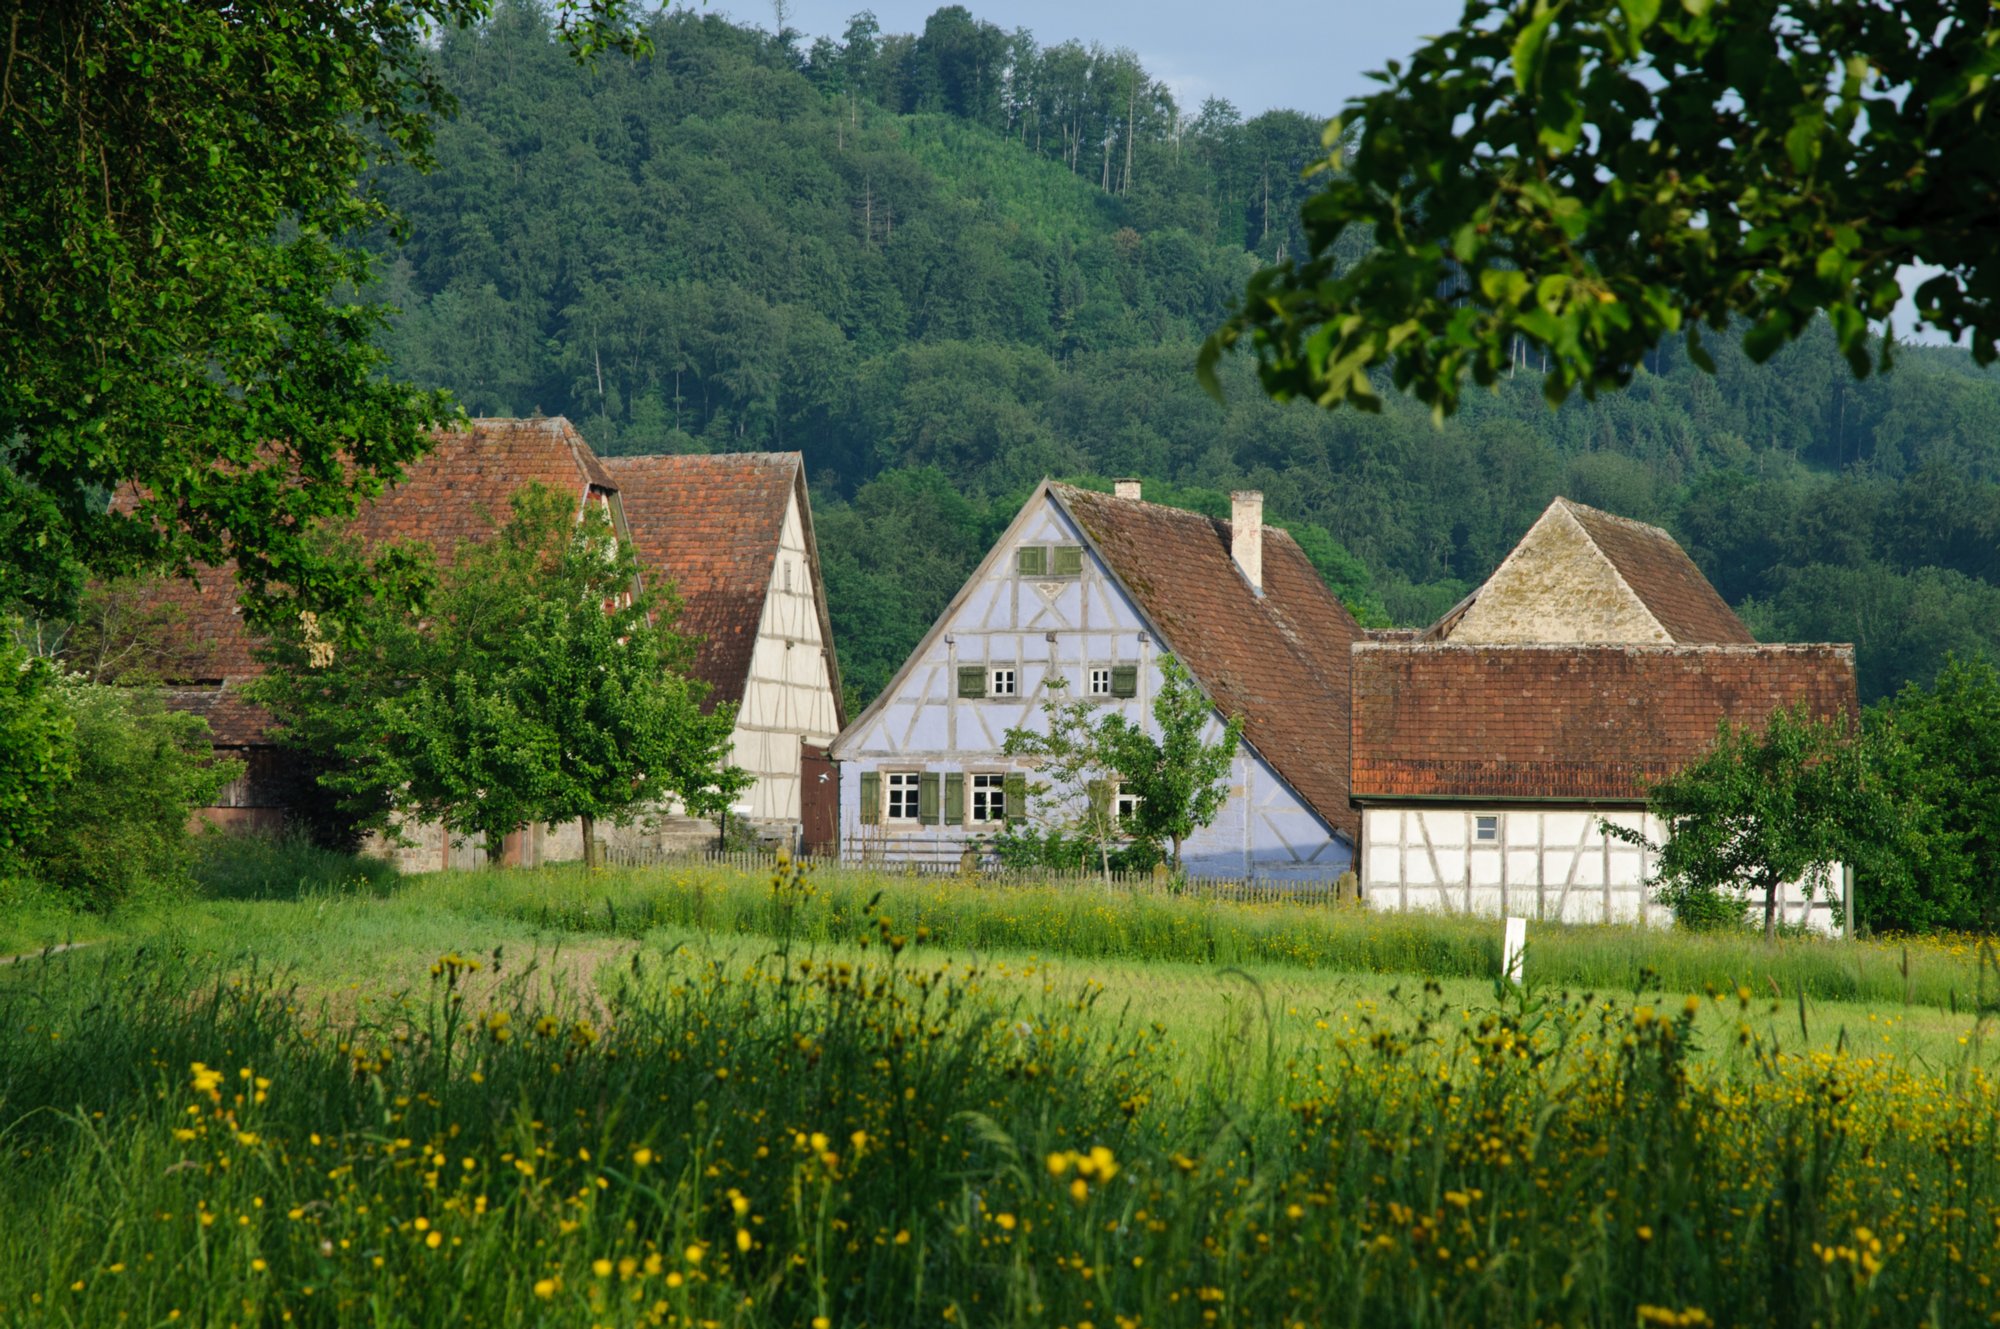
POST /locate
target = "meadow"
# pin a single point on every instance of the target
(698, 1097)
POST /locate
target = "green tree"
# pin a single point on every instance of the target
(1935, 752)
(1588, 177)
(37, 743)
(118, 824)
(1074, 794)
(1757, 811)
(1181, 779)
(177, 227)
(536, 683)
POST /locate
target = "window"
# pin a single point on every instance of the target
(1003, 683)
(1066, 560)
(1099, 684)
(903, 795)
(1486, 830)
(1049, 561)
(989, 798)
(1031, 560)
(1125, 803)
(1124, 680)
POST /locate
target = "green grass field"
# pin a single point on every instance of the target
(704, 1097)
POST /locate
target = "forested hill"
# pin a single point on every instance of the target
(945, 264)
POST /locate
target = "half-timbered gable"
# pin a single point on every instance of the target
(1092, 589)
(733, 535)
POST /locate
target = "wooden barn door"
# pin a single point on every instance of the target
(819, 800)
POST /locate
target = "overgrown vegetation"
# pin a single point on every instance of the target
(846, 1138)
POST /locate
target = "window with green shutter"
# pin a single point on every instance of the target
(927, 799)
(954, 798)
(1067, 561)
(1124, 680)
(972, 680)
(1017, 797)
(871, 798)
(1032, 560)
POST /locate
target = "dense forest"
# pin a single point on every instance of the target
(943, 265)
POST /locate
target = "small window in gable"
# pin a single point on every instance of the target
(1099, 682)
(1486, 830)
(1032, 560)
(1003, 683)
(1066, 561)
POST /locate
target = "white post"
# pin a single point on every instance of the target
(1510, 955)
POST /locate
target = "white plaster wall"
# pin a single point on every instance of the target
(788, 698)
(1552, 864)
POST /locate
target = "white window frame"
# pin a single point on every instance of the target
(989, 787)
(1123, 804)
(905, 787)
(1482, 824)
(1097, 681)
(1011, 673)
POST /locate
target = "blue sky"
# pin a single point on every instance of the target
(1259, 54)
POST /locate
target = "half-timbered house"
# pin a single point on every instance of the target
(1492, 750)
(1093, 589)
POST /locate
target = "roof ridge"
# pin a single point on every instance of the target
(1584, 509)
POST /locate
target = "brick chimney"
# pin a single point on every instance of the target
(1125, 488)
(1246, 535)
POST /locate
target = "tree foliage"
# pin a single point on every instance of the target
(1179, 776)
(534, 683)
(119, 824)
(1590, 177)
(1761, 810)
(177, 227)
(37, 743)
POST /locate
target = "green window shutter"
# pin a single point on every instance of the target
(871, 798)
(927, 798)
(1100, 801)
(1016, 790)
(972, 680)
(954, 799)
(1031, 560)
(1124, 680)
(1068, 561)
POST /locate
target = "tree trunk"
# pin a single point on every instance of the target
(1770, 910)
(590, 841)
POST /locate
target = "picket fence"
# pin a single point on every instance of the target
(986, 875)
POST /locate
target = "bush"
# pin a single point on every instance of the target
(283, 867)
(118, 825)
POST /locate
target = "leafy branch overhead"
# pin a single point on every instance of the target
(178, 223)
(1591, 176)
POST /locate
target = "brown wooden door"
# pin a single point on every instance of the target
(819, 800)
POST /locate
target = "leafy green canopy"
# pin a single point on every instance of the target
(176, 275)
(1590, 176)
(1758, 811)
(537, 682)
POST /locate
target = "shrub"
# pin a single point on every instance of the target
(118, 824)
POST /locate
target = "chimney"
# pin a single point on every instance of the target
(1246, 535)
(1125, 488)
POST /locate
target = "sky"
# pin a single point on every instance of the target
(1260, 54)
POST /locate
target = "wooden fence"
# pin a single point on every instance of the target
(989, 876)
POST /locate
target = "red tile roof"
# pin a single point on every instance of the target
(1567, 722)
(711, 524)
(233, 722)
(1662, 575)
(1279, 660)
(458, 491)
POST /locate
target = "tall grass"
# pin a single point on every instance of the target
(804, 1140)
(1091, 923)
(283, 867)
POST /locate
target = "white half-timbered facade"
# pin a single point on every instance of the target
(1092, 589)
